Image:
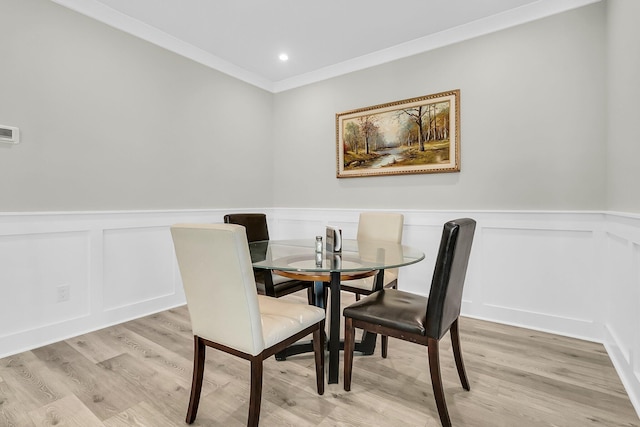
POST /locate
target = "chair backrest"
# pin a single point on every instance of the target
(255, 223)
(380, 226)
(445, 296)
(215, 266)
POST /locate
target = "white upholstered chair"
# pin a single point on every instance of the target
(382, 226)
(228, 314)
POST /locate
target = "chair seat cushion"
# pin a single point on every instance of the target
(366, 284)
(282, 319)
(392, 308)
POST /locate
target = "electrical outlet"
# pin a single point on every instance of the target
(63, 293)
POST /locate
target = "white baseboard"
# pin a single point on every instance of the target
(628, 371)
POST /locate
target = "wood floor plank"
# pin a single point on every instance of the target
(156, 331)
(140, 415)
(102, 392)
(293, 388)
(12, 412)
(589, 364)
(166, 395)
(140, 373)
(30, 382)
(165, 361)
(68, 411)
(93, 347)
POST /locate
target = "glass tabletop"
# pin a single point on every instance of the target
(357, 255)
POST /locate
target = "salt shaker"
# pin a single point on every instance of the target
(318, 243)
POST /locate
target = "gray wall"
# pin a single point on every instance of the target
(532, 123)
(623, 84)
(111, 122)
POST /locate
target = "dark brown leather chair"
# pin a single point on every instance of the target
(417, 319)
(268, 284)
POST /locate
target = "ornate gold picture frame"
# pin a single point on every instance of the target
(417, 135)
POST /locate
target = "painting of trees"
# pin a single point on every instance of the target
(351, 136)
(430, 121)
(418, 135)
(369, 131)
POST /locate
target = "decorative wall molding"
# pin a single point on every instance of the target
(117, 265)
(619, 293)
(521, 15)
(571, 273)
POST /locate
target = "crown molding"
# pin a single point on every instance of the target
(98, 11)
(513, 17)
(491, 24)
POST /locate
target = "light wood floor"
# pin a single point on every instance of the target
(138, 374)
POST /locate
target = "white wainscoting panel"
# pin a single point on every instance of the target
(33, 267)
(636, 341)
(117, 265)
(635, 363)
(621, 299)
(138, 265)
(540, 276)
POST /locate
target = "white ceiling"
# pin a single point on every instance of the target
(323, 39)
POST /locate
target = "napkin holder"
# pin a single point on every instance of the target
(334, 240)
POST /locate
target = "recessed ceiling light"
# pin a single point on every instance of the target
(283, 57)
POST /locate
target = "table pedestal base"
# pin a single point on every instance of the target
(366, 346)
(368, 343)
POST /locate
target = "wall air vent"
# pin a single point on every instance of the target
(9, 134)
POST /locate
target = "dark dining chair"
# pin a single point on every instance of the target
(228, 314)
(269, 284)
(418, 319)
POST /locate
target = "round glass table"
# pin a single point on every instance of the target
(359, 258)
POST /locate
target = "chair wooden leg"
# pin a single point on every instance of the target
(318, 351)
(436, 381)
(256, 392)
(385, 346)
(385, 339)
(349, 343)
(310, 297)
(196, 383)
(457, 354)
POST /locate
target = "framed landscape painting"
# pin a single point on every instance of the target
(417, 135)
